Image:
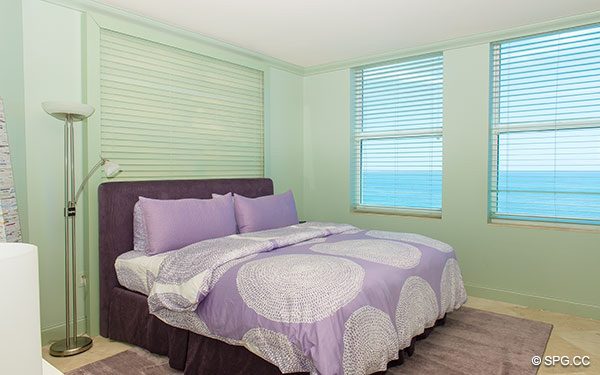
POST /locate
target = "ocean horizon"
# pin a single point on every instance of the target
(567, 194)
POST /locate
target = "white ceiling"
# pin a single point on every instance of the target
(314, 32)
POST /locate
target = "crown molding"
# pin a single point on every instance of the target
(94, 7)
(541, 27)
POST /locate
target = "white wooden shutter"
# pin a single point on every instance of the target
(168, 113)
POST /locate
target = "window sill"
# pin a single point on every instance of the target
(397, 212)
(568, 227)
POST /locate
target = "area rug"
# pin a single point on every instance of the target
(471, 342)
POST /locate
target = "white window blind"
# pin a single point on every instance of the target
(545, 136)
(398, 135)
(170, 113)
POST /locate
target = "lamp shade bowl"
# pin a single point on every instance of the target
(61, 110)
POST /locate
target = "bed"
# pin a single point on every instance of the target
(211, 346)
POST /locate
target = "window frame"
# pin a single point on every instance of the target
(495, 132)
(357, 137)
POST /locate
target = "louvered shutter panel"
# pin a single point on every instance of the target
(168, 113)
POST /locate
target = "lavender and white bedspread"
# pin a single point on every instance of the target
(322, 298)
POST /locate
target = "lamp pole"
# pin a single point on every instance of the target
(67, 234)
(70, 113)
(72, 344)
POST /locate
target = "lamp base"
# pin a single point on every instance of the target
(77, 345)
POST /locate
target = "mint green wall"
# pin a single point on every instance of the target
(545, 268)
(52, 71)
(12, 93)
(285, 133)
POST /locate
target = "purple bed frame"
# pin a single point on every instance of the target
(124, 314)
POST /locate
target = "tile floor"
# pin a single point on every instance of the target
(571, 336)
(101, 349)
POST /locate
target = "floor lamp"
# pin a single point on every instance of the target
(70, 113)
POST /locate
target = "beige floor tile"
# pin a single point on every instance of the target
(586, 340)
(101, 349)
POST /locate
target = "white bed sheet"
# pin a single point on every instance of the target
(136, 271)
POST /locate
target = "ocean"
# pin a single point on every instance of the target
(529, 193)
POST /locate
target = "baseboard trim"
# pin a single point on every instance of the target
(537, 302)
(57, 332)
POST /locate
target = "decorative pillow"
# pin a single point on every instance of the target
(172, 224)
(262, 213)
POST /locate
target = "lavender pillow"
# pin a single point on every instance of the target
(172, 224)
(268, 212)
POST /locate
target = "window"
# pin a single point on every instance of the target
(170, 113)
(397, 161)
(545, 127)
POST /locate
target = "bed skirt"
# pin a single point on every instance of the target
(131, 322)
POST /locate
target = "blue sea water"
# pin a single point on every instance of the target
(563, 194)
(402, 189)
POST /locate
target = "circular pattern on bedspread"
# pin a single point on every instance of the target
(299, 288)
(417, 309)
(276, 348)
(411, 237)
(370, 341)
(396, 254)
(222, 269)
(452, 289)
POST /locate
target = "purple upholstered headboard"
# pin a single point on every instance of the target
(116, 201)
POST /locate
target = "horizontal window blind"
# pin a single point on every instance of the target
(545, 127)
(168, 113)
(398, 134)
